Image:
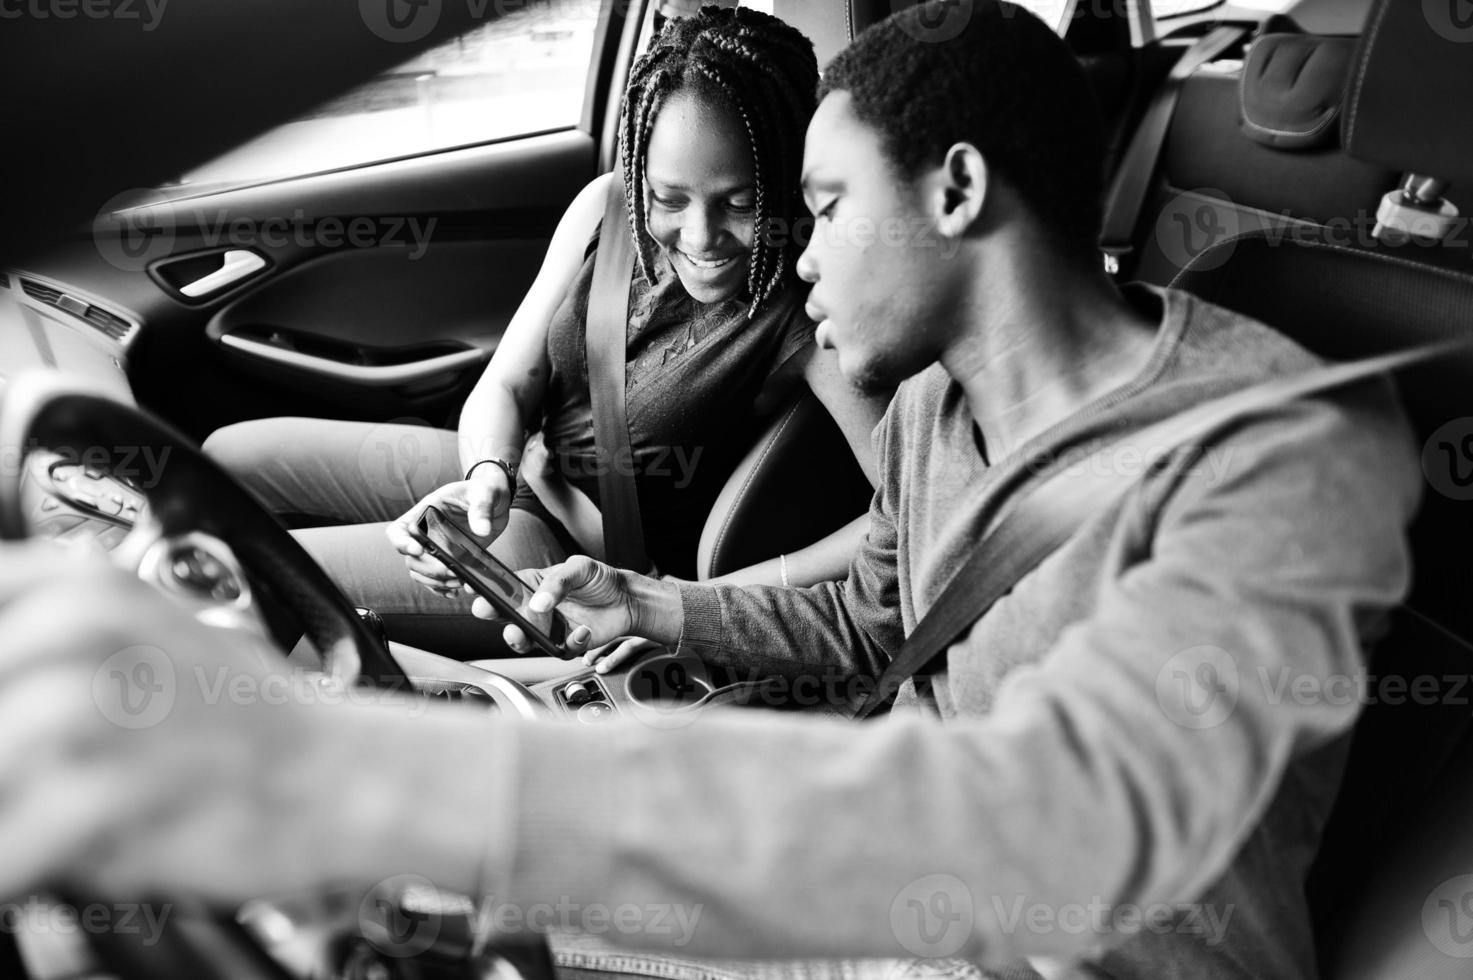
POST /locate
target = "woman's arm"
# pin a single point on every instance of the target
(508, 397)
(856, 415)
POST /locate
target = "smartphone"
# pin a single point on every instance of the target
(497, 584)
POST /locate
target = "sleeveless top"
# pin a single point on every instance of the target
(694, 372)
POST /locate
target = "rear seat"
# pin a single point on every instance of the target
(1254, 144)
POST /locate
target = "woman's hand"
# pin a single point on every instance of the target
(622, 651)
(484, 500)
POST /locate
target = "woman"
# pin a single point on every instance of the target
(711, 138)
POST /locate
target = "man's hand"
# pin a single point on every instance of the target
(607, 603)
(484, 499)
(142, 751)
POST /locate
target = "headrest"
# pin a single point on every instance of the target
(1411, 90)
(1291, 89)
(832, 24)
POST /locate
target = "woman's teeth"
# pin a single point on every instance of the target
(708, 263)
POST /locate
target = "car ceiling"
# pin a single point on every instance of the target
(95, 106)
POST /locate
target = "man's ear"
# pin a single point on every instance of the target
(959, 190)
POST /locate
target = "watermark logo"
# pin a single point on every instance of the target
(402, 916)
(933, 23)
(665, 688)
(395, 457)
(933, 916)
(1198, 688)
(134, 229)
(136, 687)
(1447, 917)
(1451, 19)
(400, 21)
(1190, 225)
(1447, 459)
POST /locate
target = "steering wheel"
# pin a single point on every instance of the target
(195, 512)
(197, 518)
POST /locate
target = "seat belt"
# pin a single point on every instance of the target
(1133, 177)
(1048, 514)
(606, 345)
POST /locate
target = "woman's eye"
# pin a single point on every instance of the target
(741, 207)
(827, 210)
(664, 202)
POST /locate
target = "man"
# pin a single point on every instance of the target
(1104, 777)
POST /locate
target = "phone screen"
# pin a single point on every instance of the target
(499, 585)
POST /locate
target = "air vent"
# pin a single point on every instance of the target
(114, 326)
(107, 322)
(44, 293)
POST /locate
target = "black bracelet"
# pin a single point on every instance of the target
(511, 474)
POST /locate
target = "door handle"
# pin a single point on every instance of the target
(238, 264)
(373, 376)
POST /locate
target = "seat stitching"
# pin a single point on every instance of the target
(1360, 72)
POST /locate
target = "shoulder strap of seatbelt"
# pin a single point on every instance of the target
(1050, 512)
(606, 345)
(1132, 182)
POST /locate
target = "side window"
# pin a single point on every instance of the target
(523, 73)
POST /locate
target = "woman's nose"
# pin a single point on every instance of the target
(702, 231)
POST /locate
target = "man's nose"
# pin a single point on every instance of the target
(807, 266)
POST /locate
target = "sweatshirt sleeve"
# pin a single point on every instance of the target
(832, 631)
(1130, 764)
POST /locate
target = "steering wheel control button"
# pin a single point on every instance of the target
(595, 711)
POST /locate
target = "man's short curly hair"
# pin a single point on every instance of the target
(1007, 84)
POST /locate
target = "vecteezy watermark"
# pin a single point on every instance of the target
(936, 22)
(43, 917)
(136, 687)
(397, 456)
(136, 228)
(407, 21)
(1202, 686)
(862, 233)
(141, 466)
(934, 916)
(406, 915)
(1192, 223)
(148, 13)
(1447, 459)
(1447, 917)
(1198, 688)
(1451, 19)
(140, 686)
(1209, 462)
(1100, 918)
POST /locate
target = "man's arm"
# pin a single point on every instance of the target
(1108, 770)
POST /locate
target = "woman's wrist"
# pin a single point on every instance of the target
(493, 462)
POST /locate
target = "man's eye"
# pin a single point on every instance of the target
(664, 202)
(828, 210)
(741, 207)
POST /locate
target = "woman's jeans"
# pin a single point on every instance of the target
(347, 480)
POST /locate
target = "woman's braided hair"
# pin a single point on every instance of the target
(764, 72)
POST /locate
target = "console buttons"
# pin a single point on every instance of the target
(578, 693)
(595, 711)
